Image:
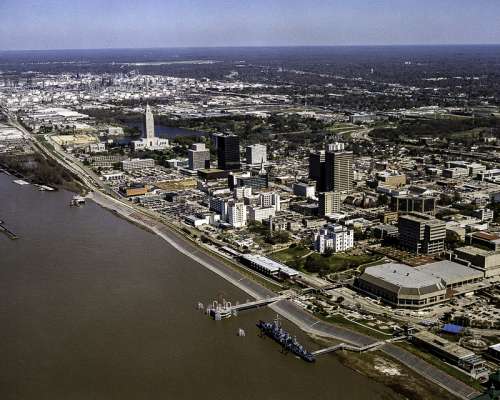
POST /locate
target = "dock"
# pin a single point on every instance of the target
(225, 309)
(11, 235)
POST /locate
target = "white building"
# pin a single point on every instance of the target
(335, 237)
(260, 214)
(237, 214)
(115, 131)
(97, 148)
(270, 199)
(241, 192)
(256, 154)
(112, 176)
(150, 142)
(137, 163)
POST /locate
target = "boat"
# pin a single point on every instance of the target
(288, 342)
(77, 201)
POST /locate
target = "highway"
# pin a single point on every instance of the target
(297, 315)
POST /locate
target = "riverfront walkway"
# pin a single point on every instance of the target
(300, 317)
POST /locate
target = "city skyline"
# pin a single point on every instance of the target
(35, 25)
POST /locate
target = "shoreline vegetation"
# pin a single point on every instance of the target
(40, 170)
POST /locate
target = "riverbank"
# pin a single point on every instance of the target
(289, 310)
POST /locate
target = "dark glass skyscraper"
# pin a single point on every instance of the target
(228, 152)
(332, 169)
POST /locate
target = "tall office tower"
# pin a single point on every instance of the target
(317, 169)
(256, 154)
(329, 203)
(421, 233)
(338, 169)
(228, 152)
(149, 123)
(198, 157)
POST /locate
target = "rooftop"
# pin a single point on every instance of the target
(450, 271)
(403, 279)
(271, 265)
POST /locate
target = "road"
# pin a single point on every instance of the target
(303, 319)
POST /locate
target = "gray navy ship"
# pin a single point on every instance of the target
(287, 341)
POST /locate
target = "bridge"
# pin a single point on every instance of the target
(259, 303)
(344, 346)
(225, 309)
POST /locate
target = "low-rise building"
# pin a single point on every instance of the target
(487, 261)
(137, 163)
(268, 267)
(463, 358)
(391, 178)
(484, 214)
(402, 286)
(258, 214)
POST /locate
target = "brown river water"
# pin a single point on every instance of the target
(93, 307)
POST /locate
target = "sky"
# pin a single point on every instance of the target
(87, 24)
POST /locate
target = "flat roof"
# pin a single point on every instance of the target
(270, 265)
(486, 235)
(475, 251)
(444, 345)
(451, 272)
(495, 347)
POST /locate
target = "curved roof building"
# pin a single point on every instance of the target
(402, 285)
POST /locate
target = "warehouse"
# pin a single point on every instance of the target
(267, 266)
(402, 286)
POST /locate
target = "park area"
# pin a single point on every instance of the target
(304, 259)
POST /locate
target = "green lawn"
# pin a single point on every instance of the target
(289, 255)
(315, 262)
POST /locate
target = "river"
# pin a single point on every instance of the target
(93, 307)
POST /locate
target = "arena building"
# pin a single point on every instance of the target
(407, 287)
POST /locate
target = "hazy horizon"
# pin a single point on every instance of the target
(256, 46)
(132, 24)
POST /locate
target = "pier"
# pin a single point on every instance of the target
(225, 309)
(259, 303)
(356, 349)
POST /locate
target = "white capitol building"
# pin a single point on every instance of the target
(150, 142)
